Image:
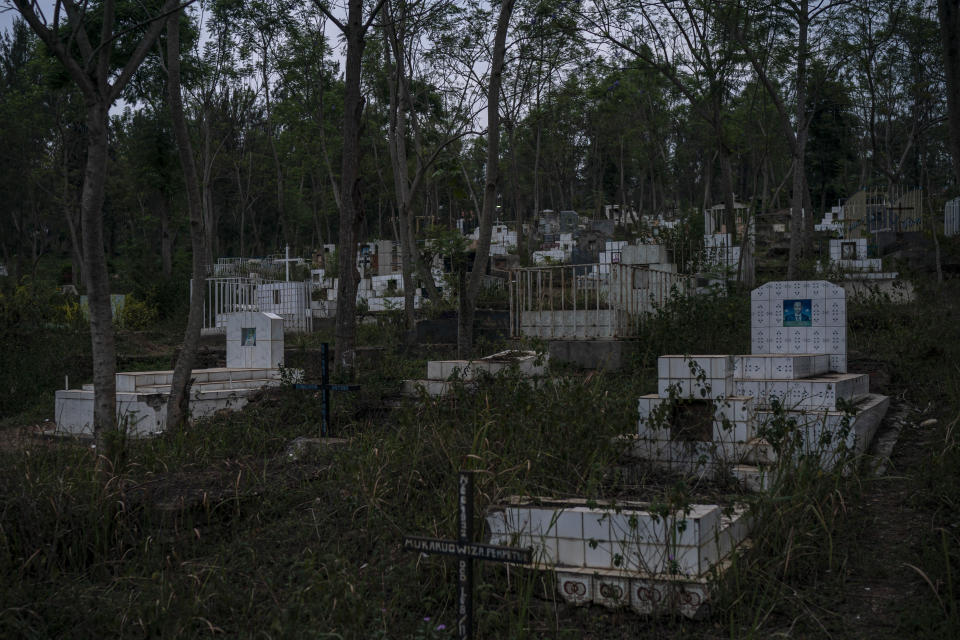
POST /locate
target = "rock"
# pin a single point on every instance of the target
(304, 447)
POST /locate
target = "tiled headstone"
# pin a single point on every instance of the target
(848, 249)
(254, 340)
(800, 317)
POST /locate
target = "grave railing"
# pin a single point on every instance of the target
(289, 300)
(580, 301)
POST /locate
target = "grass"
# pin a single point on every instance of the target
(213, 531)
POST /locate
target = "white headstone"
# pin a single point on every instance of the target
(800, 317)
(254, 340)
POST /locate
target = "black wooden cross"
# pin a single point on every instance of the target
(325, 388)
(467, 551)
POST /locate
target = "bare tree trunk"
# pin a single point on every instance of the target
(166, 241)
(351, 200)
(178, 406)
(949, 11)
(471, 288)
(281, 209)
(96, 276)
(397, 131)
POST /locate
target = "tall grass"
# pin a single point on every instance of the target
(214, 531)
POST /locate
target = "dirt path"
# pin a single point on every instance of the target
(882, 540)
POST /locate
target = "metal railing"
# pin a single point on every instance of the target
(223, 296)
(578, 301)
(951, 218)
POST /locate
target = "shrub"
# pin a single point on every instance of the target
(137, 315)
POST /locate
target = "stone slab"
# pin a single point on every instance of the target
(610, 355)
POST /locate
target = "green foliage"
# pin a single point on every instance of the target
(43, 337)
(709, 323)
(137, 315)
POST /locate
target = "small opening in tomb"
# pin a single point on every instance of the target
(248, 337)
(693, 421)
(276, 296)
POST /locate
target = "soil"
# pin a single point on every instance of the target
(880, 582)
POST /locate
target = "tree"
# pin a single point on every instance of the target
(177, 406)
(85, 44)
(789, 35)
(402, 24)
(354, 31)
(689, 42)
(471, 288)
(949, 11)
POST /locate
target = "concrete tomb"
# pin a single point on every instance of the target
(625, 555)
(715, 414)
(443, 374)
(254, 354)
(864, 276)
(378, 293)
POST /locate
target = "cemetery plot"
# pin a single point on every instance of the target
(443, 374)
(466, 550)
(325, 387)
(254, 354)
(583, 302)
(624, 555)
(721, 414)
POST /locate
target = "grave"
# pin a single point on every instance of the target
(863, 276)
(378, 293)
(624, 555)
(502, 239)
(442, 375)
(466, 551)
(712, 414)
(588, 315)
(254, 354)
(325, 387)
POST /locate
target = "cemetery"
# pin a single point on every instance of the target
(553, 321)
(744, 421)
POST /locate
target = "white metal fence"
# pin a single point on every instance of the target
(223, 296)
(577, 301)
(951, 218)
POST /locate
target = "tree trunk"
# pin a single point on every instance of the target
(178, 406)
(949, 11)
(471, 288)
(351, 201)
(796, 220)
(96, 275)
(166, 241)
(397, 132)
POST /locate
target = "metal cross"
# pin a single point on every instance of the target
(325, 388)
(466, 551)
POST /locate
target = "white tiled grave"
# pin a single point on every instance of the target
(443, 374)
(624, 555)
(710, 412)
(254, 352)
(864, 277)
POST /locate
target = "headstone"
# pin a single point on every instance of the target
(254, 340)
(800, 317)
